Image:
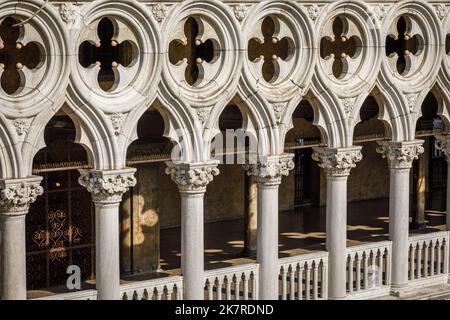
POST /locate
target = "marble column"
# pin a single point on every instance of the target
(107, 188)
(443, 143)
(16, 195)
(400, 156)
(337, 163)
(192, 180)
(268, 172)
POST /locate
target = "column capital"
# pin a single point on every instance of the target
(269, 170)
(442, 143)
(192, 177)
(16, 195)
(400, 155)
(107, 186)
(337, 162)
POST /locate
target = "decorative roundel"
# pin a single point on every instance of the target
(412, 43)
(348, 47)
(202, 42)
(33, 59)
(280, 43)
(117, 56)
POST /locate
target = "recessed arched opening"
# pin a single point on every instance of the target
(150, 216)
(367, 186)
(60, 224)
(301, 194)
(226, 215)
(429, 172)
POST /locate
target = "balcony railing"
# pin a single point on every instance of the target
(369, 270)
(304, 277)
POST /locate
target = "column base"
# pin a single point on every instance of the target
(400, 291)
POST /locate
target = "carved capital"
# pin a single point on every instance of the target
(192, 177)
(337, 162)
(400, 155)
(107, 186)
(16, 195)
(442, 143)
(270, 169)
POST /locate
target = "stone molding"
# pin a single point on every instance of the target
(16, 195)
(107, 186)
(337, 162)
(192, 177)
(269, 170)
(400, 155)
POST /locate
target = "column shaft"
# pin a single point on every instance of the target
(399, 225)
(107, 259)
(336, 227)
(192, 245)
(267, 242)
(448, 196)
(13, 258)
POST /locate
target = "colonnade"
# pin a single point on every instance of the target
(107, 188)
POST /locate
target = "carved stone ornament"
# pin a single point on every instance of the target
(192, 177)
(159, 11)
(314, 12)
(116, 122)
(22, 126)
(411, 99)
(442, 143)
(269, 170)
(441, 10)
(240, 12)
(68, 12)
(16, 195)
(107, 186)
(400, 155)
(348, 104)
(337, 162)
(278, 110)
(203, 114)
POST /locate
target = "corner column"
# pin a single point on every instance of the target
(192, 180)
(443, 144)
(400, 156)
(107, 188)
(268, 172)
(16, 195)
(337, 163)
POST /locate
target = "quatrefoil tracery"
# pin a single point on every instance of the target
(18, 60)
(404, 46)
(112, 57)
(195, 51)
(271, 50)
(340, 47)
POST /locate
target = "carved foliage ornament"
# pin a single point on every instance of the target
(68, 12)
(240, 12)
(442, 143)
(22, 126)
(400, 154)
(441, 10)
(270, 170)
(16, 196)
(337, 162)
(192, 178)
(159, 11)
(109, 186)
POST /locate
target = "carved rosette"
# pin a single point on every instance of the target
(271, 169)
(400, 155)
(107, 186)
(192, 177)
(442, 143)
(16, 195)
(337, 162)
